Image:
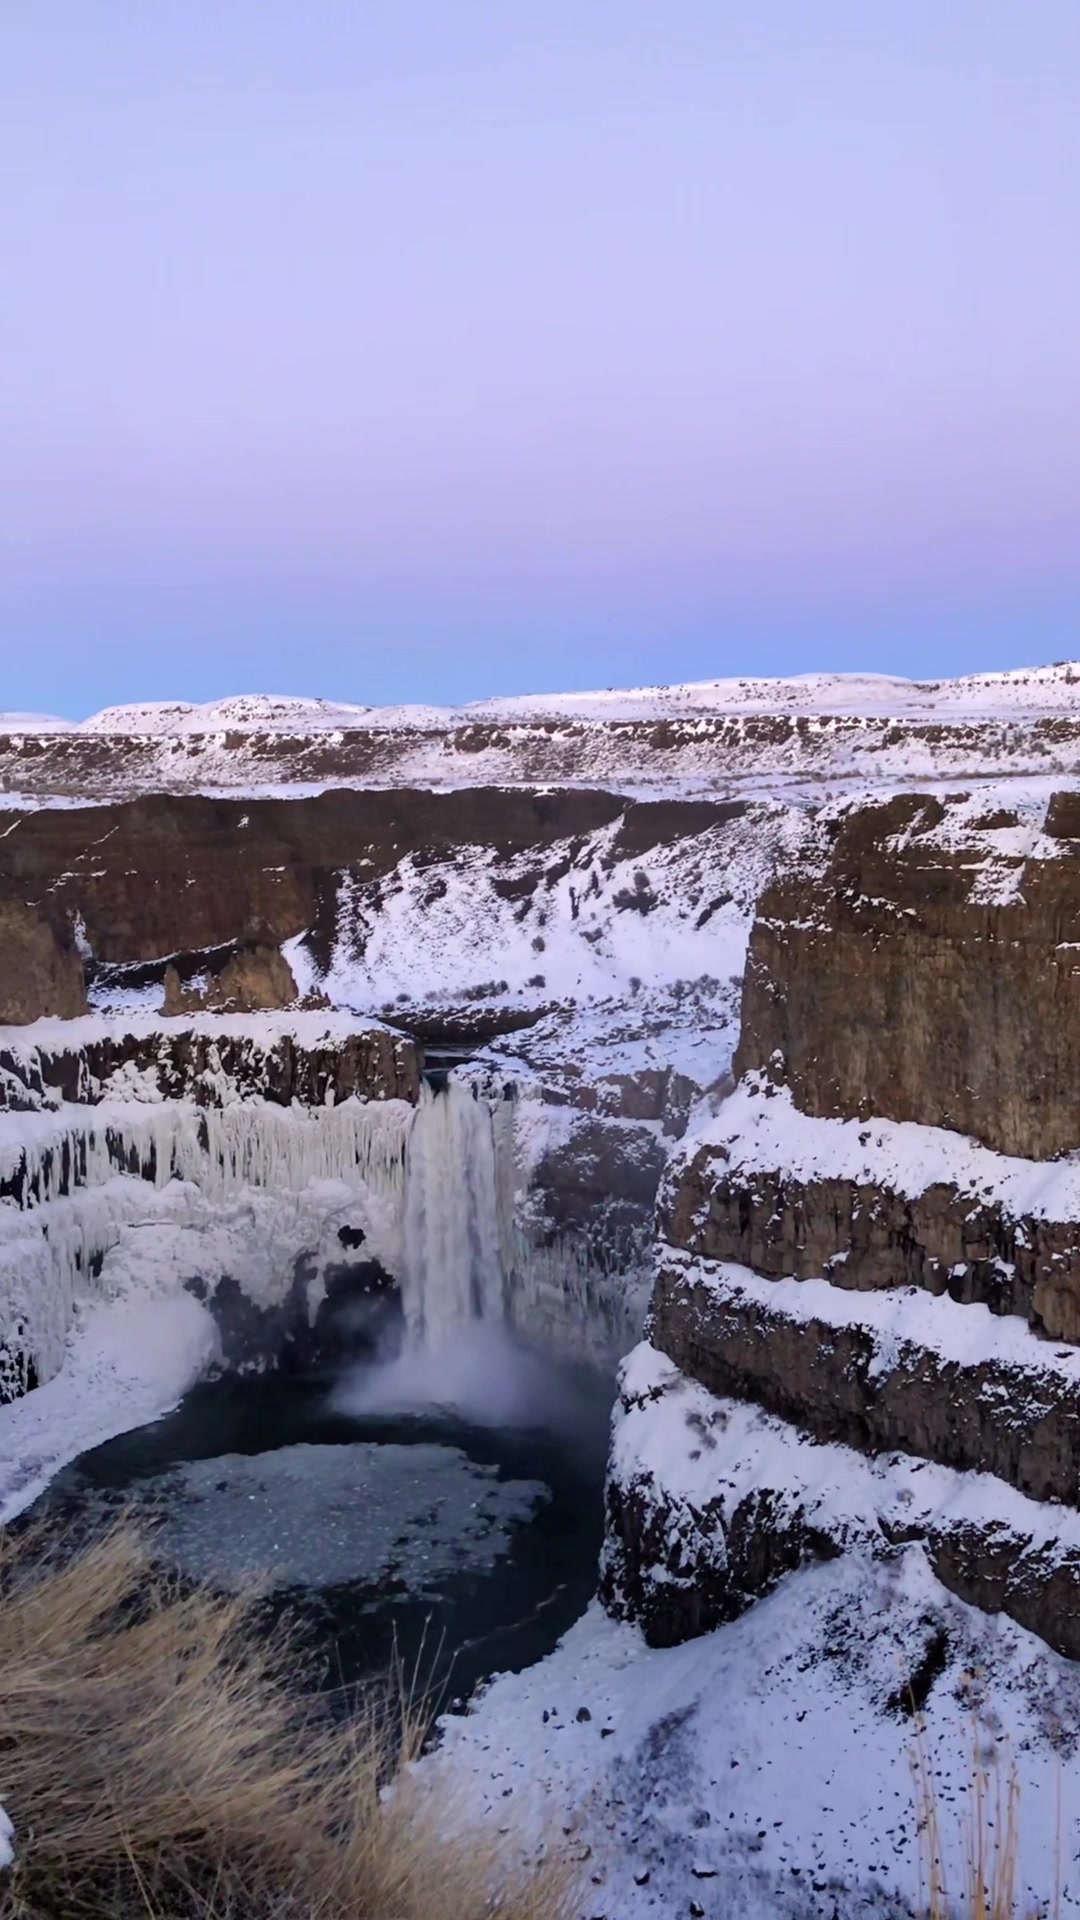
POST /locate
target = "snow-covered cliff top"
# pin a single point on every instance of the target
(1027, 690)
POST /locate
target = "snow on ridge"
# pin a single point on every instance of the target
(838, 1488)
(756, 1132)
(309, 1027)
(898, 1320)
(243, 712)
(36, 723)
(1027, 690)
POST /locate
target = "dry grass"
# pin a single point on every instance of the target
(987, 1838)
(159, 1760)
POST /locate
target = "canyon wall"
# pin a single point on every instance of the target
(315, 1059)
(737, 738)
(925, 965)
(190, 882)
(865, 1321)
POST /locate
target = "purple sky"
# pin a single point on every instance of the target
(393, 350)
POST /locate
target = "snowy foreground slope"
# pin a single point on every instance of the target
(767, 1769)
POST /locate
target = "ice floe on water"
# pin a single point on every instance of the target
(320, 1516)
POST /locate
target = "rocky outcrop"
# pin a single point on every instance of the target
(925, 965)
(879, 1380)
(314, 1059)
(40, 969)
(865, 1235)
(158, 876)
(830, 1247)
(600, 1179)
(214, 887)
(252, 979)
(687, 1549)
(679, 1568)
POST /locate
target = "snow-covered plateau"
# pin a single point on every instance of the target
(755, 736)
(730, 1032)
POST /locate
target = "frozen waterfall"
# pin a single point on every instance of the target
(453, 1263)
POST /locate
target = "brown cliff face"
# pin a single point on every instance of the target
(844, 1383)
(40, 970)
(865, 1237)
(163, 877)
(200, 1060)
(253, 979)
(922, 963)
(887, 981)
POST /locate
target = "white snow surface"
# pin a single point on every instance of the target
(695, 1448)
(130, 1359)
(608, 923)
(761, 1770)
(901, 1321)
(1047, 689)
(310, 1030)
(238, 1191)
(758, 1129)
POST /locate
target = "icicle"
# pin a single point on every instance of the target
(75, 1177)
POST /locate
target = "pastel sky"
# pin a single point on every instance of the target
(425, 349)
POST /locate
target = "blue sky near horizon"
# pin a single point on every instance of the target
(415, 351)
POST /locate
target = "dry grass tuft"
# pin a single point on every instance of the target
(987, 1838)
(159, 1760)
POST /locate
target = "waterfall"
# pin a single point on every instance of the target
(453, 1266)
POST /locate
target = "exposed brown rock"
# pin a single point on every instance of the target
(679, 1570)
(40, 969)
(306, 1063)
(839, 1383)
(881, 983)
(252, 979)
(865, 1237)
(164, 876)
(602, 1177)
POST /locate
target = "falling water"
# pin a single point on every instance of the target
(453, 1267)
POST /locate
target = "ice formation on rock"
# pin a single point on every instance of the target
(73, 1180)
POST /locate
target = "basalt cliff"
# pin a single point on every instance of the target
(867, 1304)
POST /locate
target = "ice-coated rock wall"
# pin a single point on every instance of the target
(73, 1181)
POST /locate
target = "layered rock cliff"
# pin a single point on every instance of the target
(924, 964)
(865, 1321)
(866, 1312)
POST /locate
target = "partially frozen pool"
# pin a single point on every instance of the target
(313, 1515)
(389, 1527)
